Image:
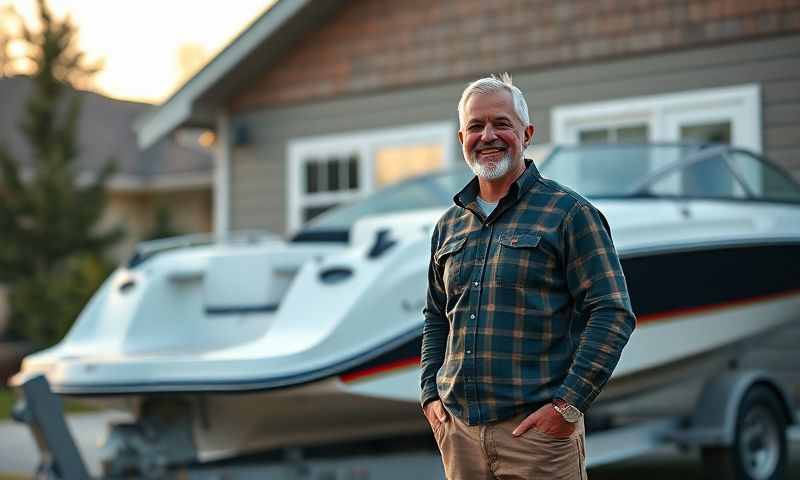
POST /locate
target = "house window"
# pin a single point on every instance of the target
(729, 115)
(327, 182)
(715, 132)
(396, 163)
(331, 174)
(614, 134)
(331, 170)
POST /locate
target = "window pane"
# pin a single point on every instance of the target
(333, 175)
(312, 176)
(311, 212)
(709, 178)
(412, 194)
(593, 136)
(352, 172)
(636, 134)
(629, 134)
(610, 171)
(393, 164)
(707, 133)
(764, 180)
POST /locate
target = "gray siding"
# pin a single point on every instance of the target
(259, 193)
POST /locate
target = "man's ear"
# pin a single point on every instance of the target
(460, 137)
(529, 131)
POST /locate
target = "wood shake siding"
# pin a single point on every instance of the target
(374, 45)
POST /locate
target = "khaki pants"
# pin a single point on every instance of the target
(491, 452)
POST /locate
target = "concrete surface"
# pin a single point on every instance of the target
(18, 453)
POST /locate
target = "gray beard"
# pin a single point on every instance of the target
(487, 172)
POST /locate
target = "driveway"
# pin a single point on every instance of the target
(18, 453)
(669, 464)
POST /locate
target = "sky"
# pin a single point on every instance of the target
(140, 41)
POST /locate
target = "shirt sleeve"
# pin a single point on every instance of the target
(435, 330)
(597, 285)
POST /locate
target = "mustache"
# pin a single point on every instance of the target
(494, 144)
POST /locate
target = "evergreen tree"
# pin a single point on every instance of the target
(51, 250)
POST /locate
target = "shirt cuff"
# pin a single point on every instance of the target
(572, 397)
(429, 395)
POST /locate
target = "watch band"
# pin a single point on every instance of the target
(570, 413)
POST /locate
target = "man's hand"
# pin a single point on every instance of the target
(435, 413)
(546, 420)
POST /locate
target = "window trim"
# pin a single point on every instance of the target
(362, 143)
(741, 104)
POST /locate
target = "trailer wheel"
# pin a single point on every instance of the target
(759, 448)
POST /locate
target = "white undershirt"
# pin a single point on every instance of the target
(487, 207)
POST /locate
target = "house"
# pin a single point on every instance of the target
(318, 103)
(174, 173)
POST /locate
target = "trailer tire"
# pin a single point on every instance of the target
(759, 449)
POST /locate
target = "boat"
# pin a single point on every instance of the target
(258, 343)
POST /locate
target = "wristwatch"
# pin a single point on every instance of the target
(570, 413)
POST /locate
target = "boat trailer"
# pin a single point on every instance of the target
(741, 409)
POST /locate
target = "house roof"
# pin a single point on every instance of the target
(198, 101)
(106, 132)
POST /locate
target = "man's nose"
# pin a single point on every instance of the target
(488, 134)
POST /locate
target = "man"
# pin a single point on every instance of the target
(527, 309)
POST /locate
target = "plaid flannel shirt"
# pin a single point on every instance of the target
(524, 306)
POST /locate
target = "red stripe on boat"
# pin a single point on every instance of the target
(383, 368)
(655, 317)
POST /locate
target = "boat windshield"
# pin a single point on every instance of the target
(669, 170)
(596, 171)
(429, 191)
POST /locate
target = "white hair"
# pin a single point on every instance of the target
(495, 83)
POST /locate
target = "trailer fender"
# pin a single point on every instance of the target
(713, 422)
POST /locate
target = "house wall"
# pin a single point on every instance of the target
(190, 212)
(258, 190)
(371, 45)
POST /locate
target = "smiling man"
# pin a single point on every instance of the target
(527, 309)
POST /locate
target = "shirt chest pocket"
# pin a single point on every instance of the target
(449, 258)
(521, 259)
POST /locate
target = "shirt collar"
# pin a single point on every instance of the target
(521, 185)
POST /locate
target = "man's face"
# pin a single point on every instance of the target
(492, 136)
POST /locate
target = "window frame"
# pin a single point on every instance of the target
(364, 144)
(665, 114)
(740, 105)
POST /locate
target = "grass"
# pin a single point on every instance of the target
(5, 476)
(7, 400)
(6, 404)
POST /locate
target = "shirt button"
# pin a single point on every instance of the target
(469, 352)
(472, 316)
(475, 283)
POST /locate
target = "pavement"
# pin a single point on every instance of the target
(19, 455)
(668, 463)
